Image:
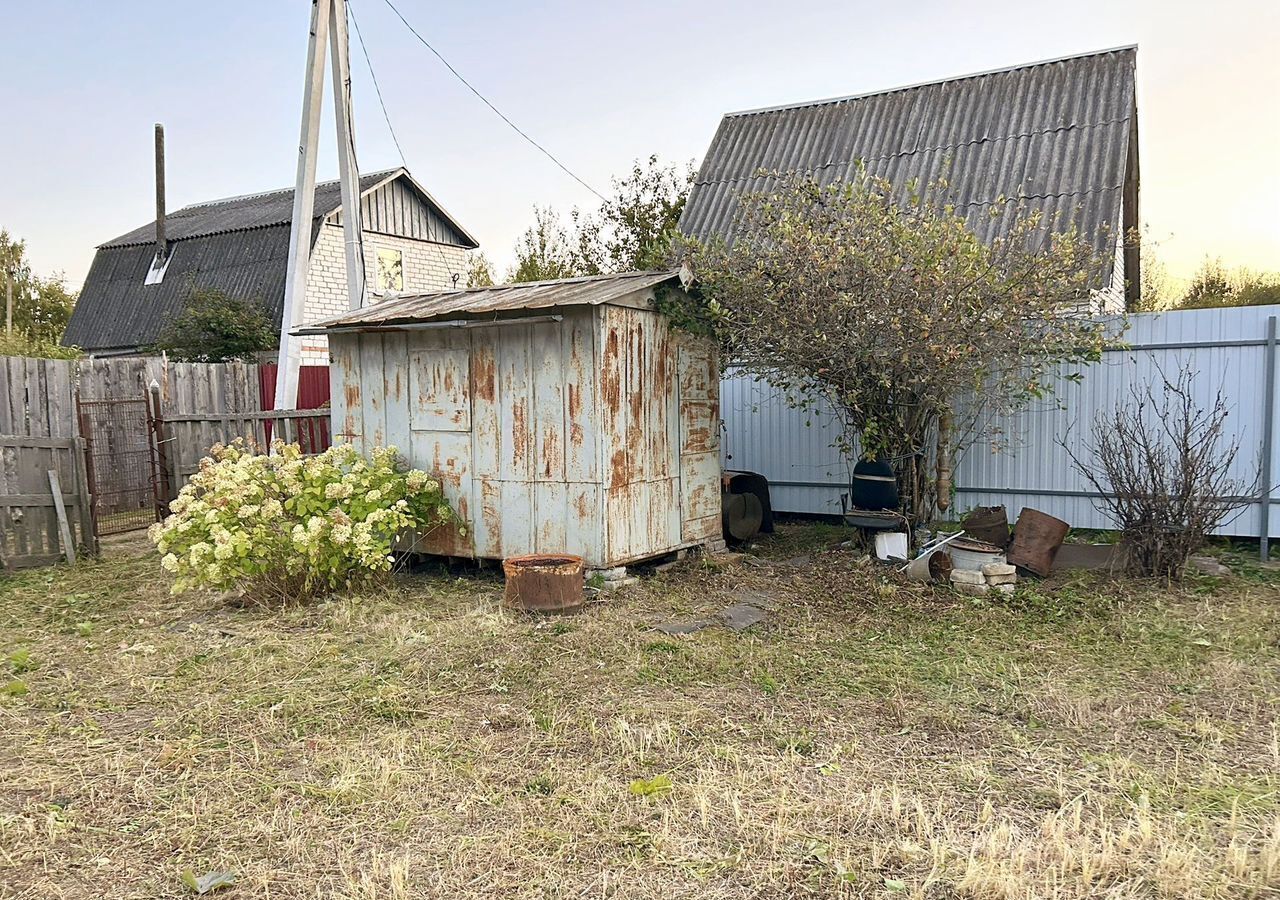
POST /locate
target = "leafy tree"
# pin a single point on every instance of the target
(479, 270)
(1214, 285)
(634, 228)
(544, 252)
(41, 306)
(895, 313)
(216, 327)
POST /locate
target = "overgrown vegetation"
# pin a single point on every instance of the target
(284, 527)
(1162, 466)
(214, 326)
(1213, 285)
(41, 306)
(892, 310)
(634, 228)
(869, 739)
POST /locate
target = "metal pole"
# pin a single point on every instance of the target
(162, 247)
(295, 286)
(349, 175)
(1268, 423)
(8, 302)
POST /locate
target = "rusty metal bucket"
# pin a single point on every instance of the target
(989, 524)
(544, 582)
(1036, 540)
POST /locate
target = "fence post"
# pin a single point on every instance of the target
(1268, 423)
(159, 456)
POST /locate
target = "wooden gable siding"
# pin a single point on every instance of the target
(397, 208)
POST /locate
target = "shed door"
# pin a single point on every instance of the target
(439, 390)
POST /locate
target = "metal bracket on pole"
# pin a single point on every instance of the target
(295, 287)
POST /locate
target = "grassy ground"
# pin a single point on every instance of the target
(868, 739)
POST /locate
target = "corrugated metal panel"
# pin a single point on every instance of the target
(792, 448)
(560, 436)
(1053, 136)
(587, 291)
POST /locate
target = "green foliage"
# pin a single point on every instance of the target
(41, 306)
(479, 270)
(216, 327)
(657, 786)
(543, 252)
(1214, 285)
(283, 526)
(20, 344)
(634, 228)
(894, 312)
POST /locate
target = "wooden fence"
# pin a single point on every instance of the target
(38, 436)
(197, 405)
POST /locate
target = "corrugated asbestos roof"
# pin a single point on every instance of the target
(1053, 136)
(473, 302)
(116, 312)
(261, 211)
(238, 245)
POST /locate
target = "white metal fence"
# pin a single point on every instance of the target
(1233, 350)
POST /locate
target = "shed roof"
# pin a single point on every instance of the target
(470, 303)
(268, 208)
(1052, 136)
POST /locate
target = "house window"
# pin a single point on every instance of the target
(390, 270)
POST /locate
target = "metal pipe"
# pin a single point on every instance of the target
(1268, 421)
(162, 244)
(426, 326)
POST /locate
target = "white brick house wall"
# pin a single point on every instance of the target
(427, 266)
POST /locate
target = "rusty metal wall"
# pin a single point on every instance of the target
(570, 436)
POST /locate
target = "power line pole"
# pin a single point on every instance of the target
(8, 301)
(328, 27)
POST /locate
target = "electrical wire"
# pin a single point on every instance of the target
(454, 276)
(458, 75)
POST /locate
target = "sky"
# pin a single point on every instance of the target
(599, 84)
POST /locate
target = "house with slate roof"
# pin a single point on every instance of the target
(240, 245)
(1059, 136)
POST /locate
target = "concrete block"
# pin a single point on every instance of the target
(965, 587)
(1002, 579)
(965, 576)
(998, 569)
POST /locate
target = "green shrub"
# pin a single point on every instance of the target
(283, 526)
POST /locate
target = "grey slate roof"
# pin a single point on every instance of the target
(238, 245)
(491, 301)
(1054, 136)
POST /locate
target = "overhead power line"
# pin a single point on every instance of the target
(376, 87)
(514, 127)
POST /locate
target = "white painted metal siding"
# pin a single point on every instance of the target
(792, 448)
(549, 436)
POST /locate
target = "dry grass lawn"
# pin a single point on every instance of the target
(1085, 739)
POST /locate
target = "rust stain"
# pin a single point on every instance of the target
(612, 373)
(352, 393)
(519, 433)
(398, 389)
(582, 508)
(485, 375)
(550, 452)
(618, 466)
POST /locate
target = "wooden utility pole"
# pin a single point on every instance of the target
(328, 27)
(8, 301)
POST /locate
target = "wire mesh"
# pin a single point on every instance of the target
(121, 463)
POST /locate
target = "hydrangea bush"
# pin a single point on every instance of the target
(284, 526)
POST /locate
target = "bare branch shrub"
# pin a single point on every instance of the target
(1162, 465)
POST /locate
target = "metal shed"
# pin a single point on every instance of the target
(561, 416)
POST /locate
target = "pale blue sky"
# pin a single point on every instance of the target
(599, 84)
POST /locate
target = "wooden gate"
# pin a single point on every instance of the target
(121, 463)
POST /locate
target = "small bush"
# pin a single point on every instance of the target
(284, 526)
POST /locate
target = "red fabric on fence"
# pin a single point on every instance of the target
(313, 393)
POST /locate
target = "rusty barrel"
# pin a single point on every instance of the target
(989, 524)
(1036, 539)
(544, 582)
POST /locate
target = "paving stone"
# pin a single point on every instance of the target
(967, 576)
(741, 615)
(999, 569)
(994, 580)
(966, 587)
(1207, 565)
(677, 628)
